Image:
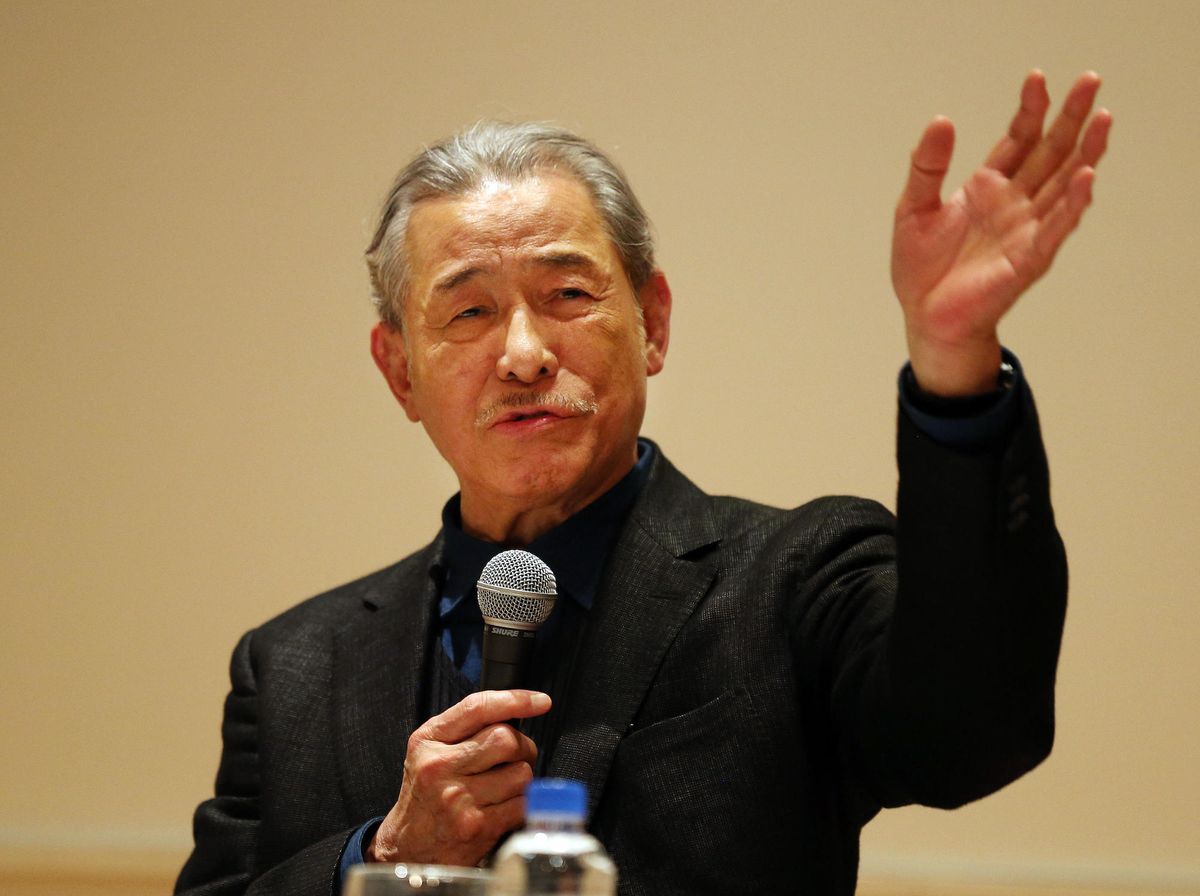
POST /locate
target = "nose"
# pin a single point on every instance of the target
(526, 357)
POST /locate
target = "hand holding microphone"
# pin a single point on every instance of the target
(465, 769)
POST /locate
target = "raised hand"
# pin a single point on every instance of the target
(464, 776)
(959, 265)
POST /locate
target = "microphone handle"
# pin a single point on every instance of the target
(506, 653)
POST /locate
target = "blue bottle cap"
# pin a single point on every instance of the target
(556, 796)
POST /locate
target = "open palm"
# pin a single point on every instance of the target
(959, 265)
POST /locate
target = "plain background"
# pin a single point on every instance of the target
(195, 437)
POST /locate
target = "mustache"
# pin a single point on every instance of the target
(579, 405)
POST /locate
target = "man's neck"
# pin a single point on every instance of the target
(515, 529)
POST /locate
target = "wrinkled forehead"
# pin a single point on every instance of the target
(501, 222)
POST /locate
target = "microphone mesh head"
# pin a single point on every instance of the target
(516, 586)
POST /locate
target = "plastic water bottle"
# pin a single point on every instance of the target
(553, 855)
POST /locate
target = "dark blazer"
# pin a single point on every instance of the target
(753, 686)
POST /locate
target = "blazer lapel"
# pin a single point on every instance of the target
(378, 673)
(650, 588)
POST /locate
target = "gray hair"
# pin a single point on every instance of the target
(509, 152)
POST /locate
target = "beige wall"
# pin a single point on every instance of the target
(195, 437)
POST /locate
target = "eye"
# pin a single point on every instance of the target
(572, 292)
(469, 313)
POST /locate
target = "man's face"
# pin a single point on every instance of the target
(524, 353)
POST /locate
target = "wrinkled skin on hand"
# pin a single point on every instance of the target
(464, 778)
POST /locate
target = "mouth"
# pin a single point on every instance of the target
(524, 411)
(526, 414)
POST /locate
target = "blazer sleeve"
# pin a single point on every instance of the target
(227, 827)
(941, 662)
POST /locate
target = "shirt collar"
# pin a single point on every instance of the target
(575, 550)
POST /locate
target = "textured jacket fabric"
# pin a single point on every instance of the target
(753, 686)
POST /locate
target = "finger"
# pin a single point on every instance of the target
(495, 745)
(1059, 141)
(500, 784)
(1087, 154)
(503, 817)
(930, 161)
(483, 708)
(1095, 138)
(473, 829)
(473, 821)
(1064, 216)
(1026, 128)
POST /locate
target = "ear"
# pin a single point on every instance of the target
(655, 296)
(391, 357)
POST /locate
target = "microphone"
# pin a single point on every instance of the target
(516, 592)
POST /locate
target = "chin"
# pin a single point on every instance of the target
(543, 478)
(539, 481)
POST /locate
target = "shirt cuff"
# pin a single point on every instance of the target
(971, 423)
(352, 852)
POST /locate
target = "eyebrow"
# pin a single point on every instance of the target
(458, 278)
(564, 260)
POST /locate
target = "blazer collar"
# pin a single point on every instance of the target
(379, 667)
(657, 574)
(674, 511)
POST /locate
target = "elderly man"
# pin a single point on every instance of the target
(741, 687)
